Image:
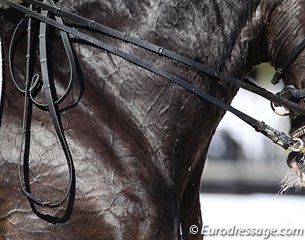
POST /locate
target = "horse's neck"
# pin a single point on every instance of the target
(129, 110)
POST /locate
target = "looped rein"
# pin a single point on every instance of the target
(34, 83)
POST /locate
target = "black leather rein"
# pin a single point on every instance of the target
(277, 137)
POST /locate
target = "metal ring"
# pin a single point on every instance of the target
(299, 142)
(277, 112)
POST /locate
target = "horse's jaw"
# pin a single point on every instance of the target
(298, 170)
(295, 177)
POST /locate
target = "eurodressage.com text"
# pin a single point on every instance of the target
(265, 233)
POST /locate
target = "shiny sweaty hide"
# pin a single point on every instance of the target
(139, 143)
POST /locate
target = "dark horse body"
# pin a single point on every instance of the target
(139, 143)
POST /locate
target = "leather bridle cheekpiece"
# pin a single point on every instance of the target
(33, 83)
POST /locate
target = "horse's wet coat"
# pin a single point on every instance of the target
(139, 143)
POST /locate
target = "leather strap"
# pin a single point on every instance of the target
(52, 107)
(288, 61)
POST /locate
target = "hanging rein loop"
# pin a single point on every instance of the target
(33, 85)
